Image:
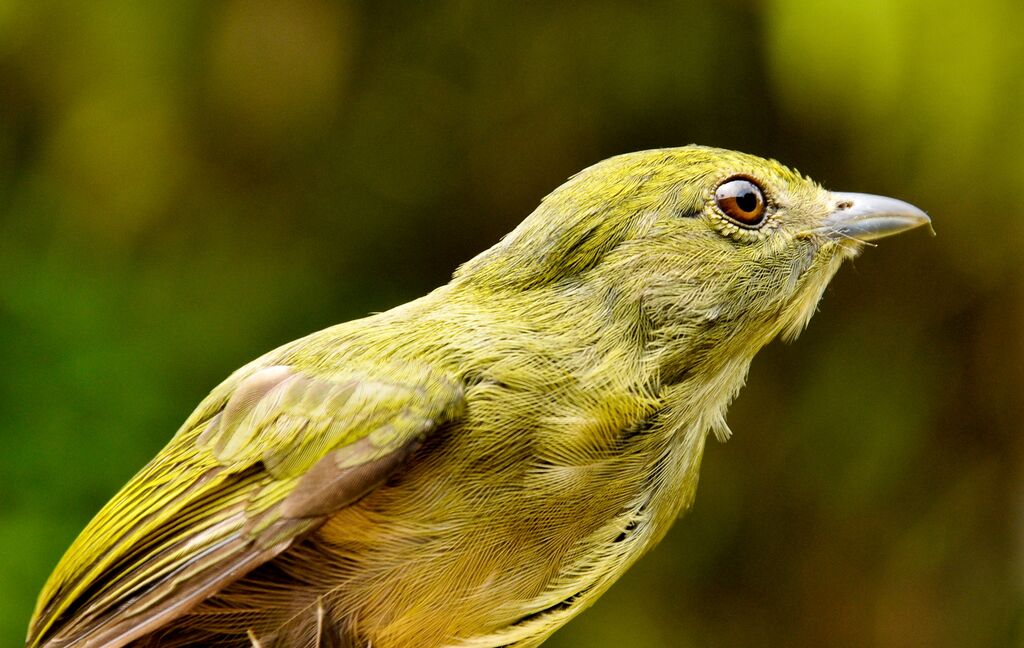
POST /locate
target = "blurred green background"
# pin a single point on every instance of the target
(186, 185)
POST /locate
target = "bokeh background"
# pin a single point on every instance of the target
(184, 185)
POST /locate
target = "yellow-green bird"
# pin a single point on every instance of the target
(476, 467)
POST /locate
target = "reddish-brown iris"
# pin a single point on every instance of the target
(742, 201)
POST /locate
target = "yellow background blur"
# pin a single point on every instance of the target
(185, 185)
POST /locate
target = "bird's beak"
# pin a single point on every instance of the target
(866, 217)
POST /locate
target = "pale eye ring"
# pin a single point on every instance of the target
(742, 202)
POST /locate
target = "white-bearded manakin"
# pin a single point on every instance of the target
(476, 467)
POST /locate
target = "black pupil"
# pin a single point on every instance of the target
(747, 200)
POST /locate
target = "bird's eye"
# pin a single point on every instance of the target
(742, 201)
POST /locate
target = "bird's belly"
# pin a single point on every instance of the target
(436, 560)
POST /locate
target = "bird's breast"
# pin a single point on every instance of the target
(506, 524)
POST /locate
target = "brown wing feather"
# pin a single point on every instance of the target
(249, 474)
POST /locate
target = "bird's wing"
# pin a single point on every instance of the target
(262, 461)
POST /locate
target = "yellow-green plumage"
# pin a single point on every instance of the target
(475, 467)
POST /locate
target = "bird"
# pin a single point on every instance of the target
(477, 466)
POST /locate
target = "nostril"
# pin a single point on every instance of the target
(844, 204)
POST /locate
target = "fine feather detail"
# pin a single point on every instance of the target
(555, 399)
(185, 540)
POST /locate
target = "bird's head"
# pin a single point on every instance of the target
(704, 239)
